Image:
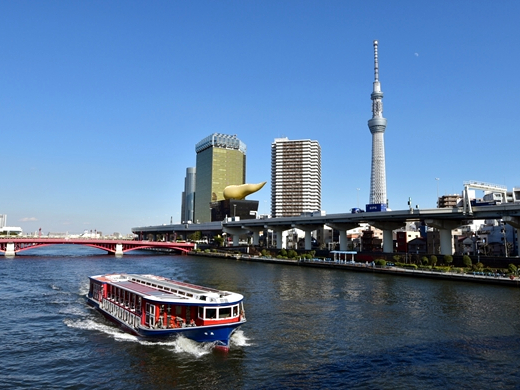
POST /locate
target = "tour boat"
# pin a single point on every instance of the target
(154, 306)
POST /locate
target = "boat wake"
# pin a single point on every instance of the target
(239, 339)
(179, 344)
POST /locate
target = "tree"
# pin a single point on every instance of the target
(466, 260)
(433, 260)
(424, 260)
(195, 236)
(218, 240)
(448, 259)
(512, 268)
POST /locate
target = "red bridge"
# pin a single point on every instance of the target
(11, 246)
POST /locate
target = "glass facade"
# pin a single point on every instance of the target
(221, 162)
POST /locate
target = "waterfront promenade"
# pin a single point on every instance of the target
(371, 268)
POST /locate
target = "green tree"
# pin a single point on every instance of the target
(291, 254)
(512, 268)
(466, 260)
(433, 260)
(218, 240)
(195, 236)
(424, 260)
(448, 259)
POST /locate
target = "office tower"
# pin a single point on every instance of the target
(377, 127)
(188, 196)
(221, 161)
(295, 177)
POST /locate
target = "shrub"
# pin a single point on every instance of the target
(380, 262)
(466, 260)
(512, 268)
(479, 266)
(448, 259)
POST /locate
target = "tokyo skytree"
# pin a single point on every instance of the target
(377, 126)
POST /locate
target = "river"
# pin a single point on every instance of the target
(307, 329)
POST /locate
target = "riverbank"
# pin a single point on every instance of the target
(369, 267)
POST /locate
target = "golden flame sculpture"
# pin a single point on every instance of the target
(241, 191)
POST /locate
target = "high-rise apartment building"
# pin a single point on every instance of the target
(221, 161)
(188, 196)
(295, 177)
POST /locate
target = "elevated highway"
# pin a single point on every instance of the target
(444, 219)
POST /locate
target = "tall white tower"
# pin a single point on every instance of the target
(377, 126)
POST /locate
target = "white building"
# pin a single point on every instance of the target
(295, 177)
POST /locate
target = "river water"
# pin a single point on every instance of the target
(307, 329)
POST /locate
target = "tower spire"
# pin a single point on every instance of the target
(377, 126)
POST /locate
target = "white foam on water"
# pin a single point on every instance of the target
(239, 339)
(179, 344)
(73, 310)
(88, 324)
(184, 345)
(83, 289)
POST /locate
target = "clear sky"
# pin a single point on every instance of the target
(102, 102)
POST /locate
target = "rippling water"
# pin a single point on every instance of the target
(307, 328)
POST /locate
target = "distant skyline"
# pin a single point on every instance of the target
(102, 103)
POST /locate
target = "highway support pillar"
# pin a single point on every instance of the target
(119, 250)
(388, 228)
(256, 233)
(9, 249)
(235, 232)
(308, 235)
(280, 244)
(446, 238)
(342, 228)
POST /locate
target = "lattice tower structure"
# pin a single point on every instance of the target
(377, 126)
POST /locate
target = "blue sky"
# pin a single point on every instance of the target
(102, 103)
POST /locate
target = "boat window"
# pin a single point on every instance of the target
(202, 297)
(235, 311)
(201, 312)
(224, 312)
(189, 295)
(211, 313)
